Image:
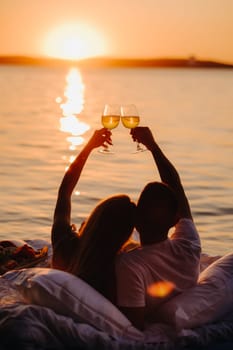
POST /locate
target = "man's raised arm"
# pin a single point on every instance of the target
(167, 171)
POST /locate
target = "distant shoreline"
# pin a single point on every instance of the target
(103, 62)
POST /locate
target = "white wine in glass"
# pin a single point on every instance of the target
(130, 122)
(130, 119)
(110, 120)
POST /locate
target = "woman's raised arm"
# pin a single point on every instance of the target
(62, 213)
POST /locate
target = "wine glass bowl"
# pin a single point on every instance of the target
(110, 119)
(130, 120)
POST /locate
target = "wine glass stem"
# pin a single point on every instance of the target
(107, 146)
(105, 149)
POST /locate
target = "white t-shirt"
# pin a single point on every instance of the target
(176, 260)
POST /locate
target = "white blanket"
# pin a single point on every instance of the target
(31, 326)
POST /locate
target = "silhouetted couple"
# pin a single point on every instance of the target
(96, 252)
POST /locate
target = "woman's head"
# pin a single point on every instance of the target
(107, 228)
(111, 222)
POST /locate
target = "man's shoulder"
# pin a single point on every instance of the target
(186, 229)
(185, 221)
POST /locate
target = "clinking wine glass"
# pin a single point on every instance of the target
(110, 120)
(130, 119)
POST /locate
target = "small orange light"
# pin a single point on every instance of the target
(160, 289)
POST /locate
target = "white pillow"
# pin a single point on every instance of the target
(68, 295)
(207, 302)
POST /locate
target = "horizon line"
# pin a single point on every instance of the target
(190, 61)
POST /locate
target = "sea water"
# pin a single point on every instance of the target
(48, 114)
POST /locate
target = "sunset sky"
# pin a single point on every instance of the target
(119, 28)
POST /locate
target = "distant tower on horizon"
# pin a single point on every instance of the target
(192, 61)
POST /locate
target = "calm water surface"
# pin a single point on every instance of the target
(48, 114)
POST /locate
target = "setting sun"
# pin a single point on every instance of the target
(74, 41)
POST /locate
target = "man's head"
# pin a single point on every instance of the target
(156, 212)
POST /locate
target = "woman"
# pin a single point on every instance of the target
(90, 253)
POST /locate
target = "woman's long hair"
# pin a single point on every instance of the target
(108, 227)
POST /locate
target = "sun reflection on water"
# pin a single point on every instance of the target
(71, 106)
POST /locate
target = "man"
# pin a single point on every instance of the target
(161, 206)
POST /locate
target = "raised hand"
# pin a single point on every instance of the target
(101, 137)
(143, 135)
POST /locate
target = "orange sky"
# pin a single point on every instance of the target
(122, 28)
